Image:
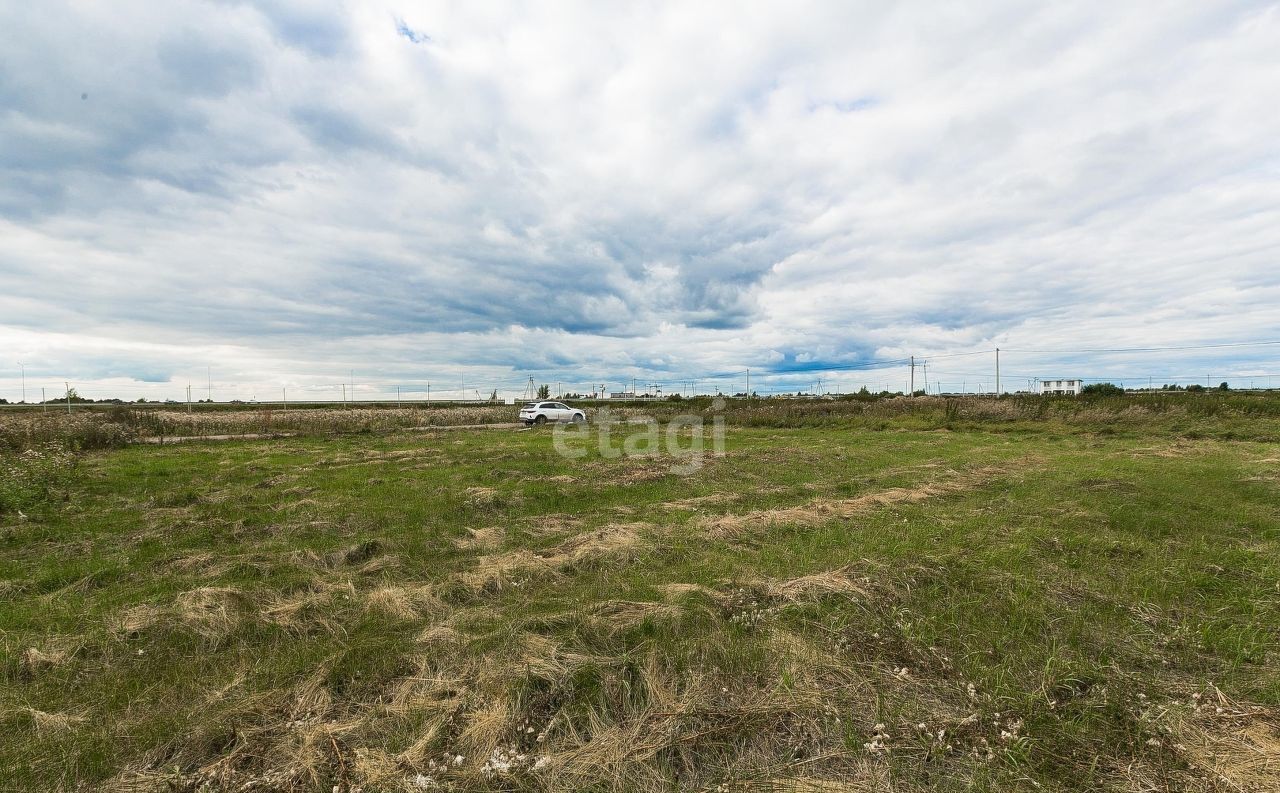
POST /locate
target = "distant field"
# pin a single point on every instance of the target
(928, 595)
(1230, 416)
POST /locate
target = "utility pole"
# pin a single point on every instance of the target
(748, 382)
(912, 386)
(997, 371)
(284, 395)
(188, 397)
(397, 396)
(428, 392)
(208, 381)
(344, 394)
(24, 381)
(68, 387)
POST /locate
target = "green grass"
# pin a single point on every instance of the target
(311, 612)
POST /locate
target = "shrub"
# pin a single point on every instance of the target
(30, 478)
(1102, 389)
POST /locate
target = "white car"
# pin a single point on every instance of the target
(542, 412)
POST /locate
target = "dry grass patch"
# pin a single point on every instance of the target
(312, 609)
(691, 726)
(1243, 753)
(558, 479)
(865, 777)
(611, 541)
(56, 651)
(494, 572)
(289, 739)
(553, 524)
(54, 722)
(817, 585)
(481, 494)
(1171, 451)
(481, 497)
(202, 562)
(486, 539)
(621, 615)
(645, 726)
(680, 591)
(298, 505)
(404, 602)
(630, 470)
(1236, 746)
(210, 612)
(821, 510)
(698, 502)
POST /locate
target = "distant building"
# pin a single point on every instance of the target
(1060, 387)
(622, 395)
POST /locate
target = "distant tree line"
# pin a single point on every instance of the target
(1111, 389)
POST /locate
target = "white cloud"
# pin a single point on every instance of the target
(287, 191)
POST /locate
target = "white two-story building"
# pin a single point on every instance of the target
(1066, 387)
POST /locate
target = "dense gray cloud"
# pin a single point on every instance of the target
(281, 192)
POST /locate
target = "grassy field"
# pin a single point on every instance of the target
(971, 597)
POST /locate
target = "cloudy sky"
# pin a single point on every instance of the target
(261, 195)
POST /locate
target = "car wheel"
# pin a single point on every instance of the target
(540, 420)
(578, 418)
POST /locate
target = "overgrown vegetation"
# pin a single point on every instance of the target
(29, 430)
(32, 478)
(1212, 414)
(937, 595)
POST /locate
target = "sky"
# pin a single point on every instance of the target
(267, 198)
